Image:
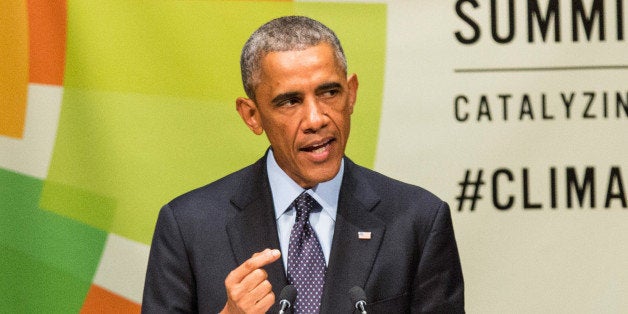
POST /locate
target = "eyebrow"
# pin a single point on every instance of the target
(323, 87)
(328, 86)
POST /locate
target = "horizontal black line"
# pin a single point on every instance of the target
(543, 69)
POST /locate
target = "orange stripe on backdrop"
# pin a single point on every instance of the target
(47, 35)
(13, 67)
(100, 300)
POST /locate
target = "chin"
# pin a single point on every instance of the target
(325, 174)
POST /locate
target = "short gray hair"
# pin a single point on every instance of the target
(284, 34)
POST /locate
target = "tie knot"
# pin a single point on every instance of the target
(304, 205)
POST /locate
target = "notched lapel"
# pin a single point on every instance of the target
(250, 230)
(352, 258)
(253, 228)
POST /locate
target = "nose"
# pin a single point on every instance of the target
(314, 116)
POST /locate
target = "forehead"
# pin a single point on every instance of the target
(308, 64)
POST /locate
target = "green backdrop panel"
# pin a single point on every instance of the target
(48, 261)
(31, 286)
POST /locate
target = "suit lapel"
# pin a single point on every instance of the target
(351, 258)
(253, 228)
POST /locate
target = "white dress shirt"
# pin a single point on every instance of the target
(285, 191)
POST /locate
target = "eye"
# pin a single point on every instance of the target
(329, 93)
(289, 102)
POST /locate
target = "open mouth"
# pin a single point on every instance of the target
(318, 148)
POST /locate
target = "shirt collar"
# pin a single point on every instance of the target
(285, 190)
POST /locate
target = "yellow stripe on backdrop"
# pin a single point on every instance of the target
(148, 108)
(13, 67)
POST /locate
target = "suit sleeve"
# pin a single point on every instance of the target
(438, 285)
(169, 285)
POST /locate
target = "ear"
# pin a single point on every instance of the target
(352, 84)
(249, 114)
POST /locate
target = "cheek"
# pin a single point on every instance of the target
(281, 134)
(342, 120)
(342, 110)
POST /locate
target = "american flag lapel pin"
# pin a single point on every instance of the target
(364, 235)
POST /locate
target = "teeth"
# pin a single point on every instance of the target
(317, 148)
(320, 149)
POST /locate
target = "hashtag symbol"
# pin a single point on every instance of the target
(475, 185)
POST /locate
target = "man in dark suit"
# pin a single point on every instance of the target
(231, 246)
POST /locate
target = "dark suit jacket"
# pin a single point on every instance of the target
(410, 265)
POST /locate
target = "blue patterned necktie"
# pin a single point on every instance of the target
(306, 263)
